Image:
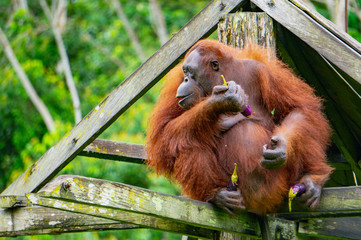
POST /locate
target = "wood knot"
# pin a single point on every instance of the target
(75, 140)
(270, 3)
(65, 185)
(222, 6)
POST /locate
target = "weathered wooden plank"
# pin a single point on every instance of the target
(13, 201)
(335, 228)
(123, 216)
(37, 220)
(120, 99)
(335, 202)
(136, 153)
(117, 196)
(276, 228)
(330, 26)
(314, 34)
(105, 149)
(6, 223)
(281, 228)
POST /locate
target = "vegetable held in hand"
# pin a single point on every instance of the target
(295, 191)
(247, 112)
(232, 184)
(224, 81)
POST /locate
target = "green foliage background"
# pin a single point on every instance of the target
(91, 26)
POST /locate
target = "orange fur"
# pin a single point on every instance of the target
(190, 146)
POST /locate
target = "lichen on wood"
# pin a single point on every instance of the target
(102, 196)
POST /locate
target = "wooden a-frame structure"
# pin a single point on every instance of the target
(327, 58)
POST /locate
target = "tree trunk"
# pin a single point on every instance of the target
(35, 99)
(64, 58)
(341, 14)
(338, 11)
(159, 23)
(128, 27)
(60, 14)
(20, 4)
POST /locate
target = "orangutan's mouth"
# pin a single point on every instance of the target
(183, 98)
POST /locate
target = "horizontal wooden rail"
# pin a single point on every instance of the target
(35, 220)
(106, 149)
(136, 153)
(13, 201)
(335, 228)
(335, 202)
(98, 201)
(121, 202)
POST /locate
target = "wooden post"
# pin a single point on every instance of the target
(238, 30)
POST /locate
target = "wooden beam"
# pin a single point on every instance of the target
(37, 220)
(335, 202)
(136, 153)
(330, 26)
(335, 228)
(120, 202)
(123, 216)
(281, 228)
(120, 99)
(131, 204)
(314, 34)
(105, 149)
(13, 201)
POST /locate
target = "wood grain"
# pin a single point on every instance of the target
(335, 202)
(106, 149)
(335, 228)
(330, 26)
(13, 201)
(37, 220)
(241, 28)
(132, 201)
(122, 216)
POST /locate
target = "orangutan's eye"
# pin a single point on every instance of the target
(215, 65)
